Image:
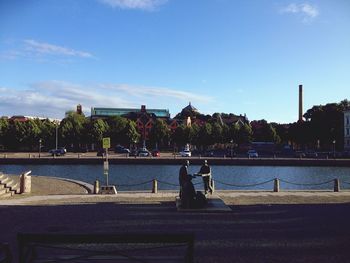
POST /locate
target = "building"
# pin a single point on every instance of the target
(144, 118)
(108, 112)
(347, 130)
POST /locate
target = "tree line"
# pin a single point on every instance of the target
(322, 129)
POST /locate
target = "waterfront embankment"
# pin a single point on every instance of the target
(81, 159)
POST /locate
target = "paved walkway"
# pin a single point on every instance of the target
(261, 226)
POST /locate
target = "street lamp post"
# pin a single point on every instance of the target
(231, 148)
(40, 147)
(56, 136)
(334, 141)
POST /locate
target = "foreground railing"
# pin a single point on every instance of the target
(276, 184)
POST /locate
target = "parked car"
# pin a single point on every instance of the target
(156, 153)
(143, 152)
(252, 154)
(121, 149)
(58, 152)
(185, 153)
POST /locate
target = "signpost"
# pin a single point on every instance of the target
(106, 144)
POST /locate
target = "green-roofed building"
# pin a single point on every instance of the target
(107, 112)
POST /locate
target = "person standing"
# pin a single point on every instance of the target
(205, 172)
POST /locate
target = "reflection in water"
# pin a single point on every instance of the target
(124, 175)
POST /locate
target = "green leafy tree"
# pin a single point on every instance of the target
(264, 132)
(122, 131)
(234, 133)
(205, 135)
(132, 135)
(217, 133)
(4, 128)
(245, 134)
(47, 133)
(160, 133)
(72, 130)
(178, 136)
(97, 129)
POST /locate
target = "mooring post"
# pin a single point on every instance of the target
(213, 185)
(154, 186)
(96, 187)
(276, 185)
(336, 185)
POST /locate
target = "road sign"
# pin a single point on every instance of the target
(106, 143)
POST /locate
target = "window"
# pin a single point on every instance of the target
(347, 120)
(348, 142)
(347, 131)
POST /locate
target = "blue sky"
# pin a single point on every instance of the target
(232, 56)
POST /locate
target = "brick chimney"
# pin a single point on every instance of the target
(300, 102)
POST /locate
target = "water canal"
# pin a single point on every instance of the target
(138, 177)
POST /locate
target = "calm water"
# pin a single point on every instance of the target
(130, 177)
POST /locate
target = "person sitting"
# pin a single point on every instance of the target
(188, 195)
(183, 175)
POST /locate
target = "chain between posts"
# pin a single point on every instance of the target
(306, 184)
(135, 184)
(246, 185)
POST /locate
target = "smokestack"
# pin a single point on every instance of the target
(300, 102)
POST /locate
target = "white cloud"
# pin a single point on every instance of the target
(159, 92)
(30, 49)
(305, 11)
(134, 4)
(54, 98)
(46, 48)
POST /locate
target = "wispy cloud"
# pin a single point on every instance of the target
(54, 98)
(43, 52)
(159, 92)
(305, 11)
(46, 48)
(147, 5)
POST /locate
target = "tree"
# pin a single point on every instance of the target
(132, 135)
(160, 133)
(264, 132)
(97, 129)
(122, 131)
(178, 136)
(245, 134)
(205, 135)
(217, 133)
(4, 127)
(327, 124)
(73, 130)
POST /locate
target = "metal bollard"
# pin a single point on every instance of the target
(336, 185)
(96, 187)
(213, 185)
(154, 186)
(276, 185)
